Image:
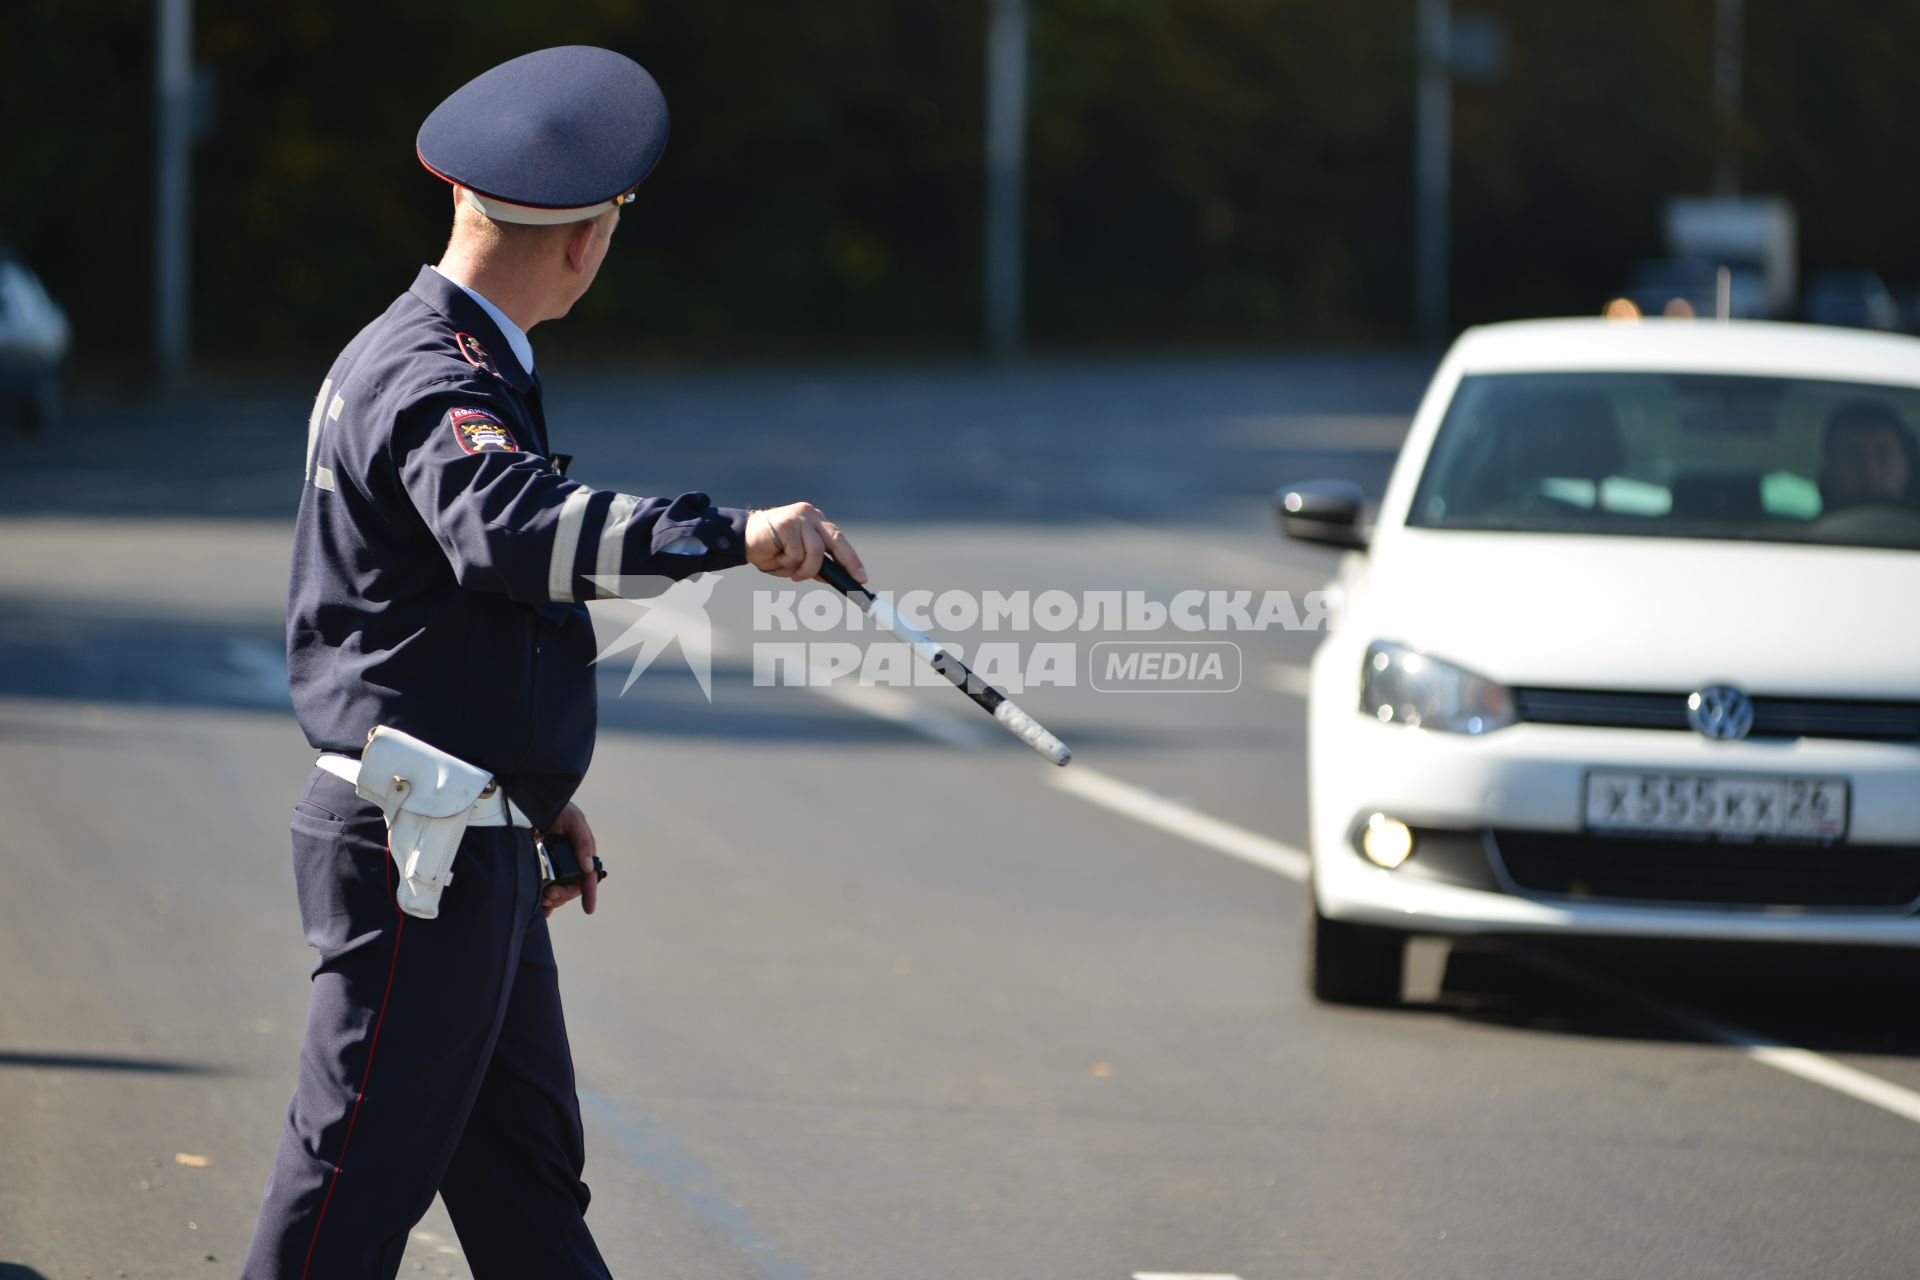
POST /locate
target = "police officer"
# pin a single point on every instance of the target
(441, 558)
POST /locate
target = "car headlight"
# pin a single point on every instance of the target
(1400, 686)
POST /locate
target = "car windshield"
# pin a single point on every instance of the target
(1677, 456)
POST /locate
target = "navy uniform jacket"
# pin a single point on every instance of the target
(439, 556)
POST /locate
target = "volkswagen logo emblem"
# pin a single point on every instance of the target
(1720, 712)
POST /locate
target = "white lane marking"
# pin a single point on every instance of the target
(1289, 678)
(1178, 819)
(1815, 1068)
(1237, 842)
(1183, 1275)
(1819, 1069)
(896, 707)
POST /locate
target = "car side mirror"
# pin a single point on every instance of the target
(1330, 512)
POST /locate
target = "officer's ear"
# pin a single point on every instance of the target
(579, 246)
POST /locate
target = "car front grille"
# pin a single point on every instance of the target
(1772, 717)
(1710, 872)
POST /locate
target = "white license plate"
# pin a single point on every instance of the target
(1716, 806)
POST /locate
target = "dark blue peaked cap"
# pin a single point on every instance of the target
(554, 136)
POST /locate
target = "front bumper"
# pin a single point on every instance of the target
(1529, 779)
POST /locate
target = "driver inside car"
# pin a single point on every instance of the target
(1868, 458)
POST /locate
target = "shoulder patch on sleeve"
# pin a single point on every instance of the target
(478, 431)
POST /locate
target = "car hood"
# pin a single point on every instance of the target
(1649, 613)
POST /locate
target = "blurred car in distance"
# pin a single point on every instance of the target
(1679, 288)
(1854, 299)
(1628, 650)
(33, 344)
(1755, 235)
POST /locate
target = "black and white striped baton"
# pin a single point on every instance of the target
(989, 699)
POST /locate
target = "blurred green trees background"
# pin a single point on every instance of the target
(1200, 172)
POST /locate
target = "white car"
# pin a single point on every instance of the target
(1631, 648)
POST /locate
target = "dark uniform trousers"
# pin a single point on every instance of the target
(435, 1059)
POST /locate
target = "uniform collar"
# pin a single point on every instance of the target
(472, 314)
(516, 336)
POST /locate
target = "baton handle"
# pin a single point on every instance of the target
(840, 580)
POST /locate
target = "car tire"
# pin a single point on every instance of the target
(1353, 964)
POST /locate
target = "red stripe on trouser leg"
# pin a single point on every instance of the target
(373, 1042)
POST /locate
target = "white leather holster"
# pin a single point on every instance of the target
(428, 798)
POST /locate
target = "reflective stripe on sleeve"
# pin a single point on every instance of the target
(313, 423)
(566, 542)
(613, 535)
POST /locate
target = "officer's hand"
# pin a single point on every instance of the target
(573, 825)
(788, 542)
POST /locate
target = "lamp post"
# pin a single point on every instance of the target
(1433, 143)
(1006, 146)
(1728, 20)
(173, 143)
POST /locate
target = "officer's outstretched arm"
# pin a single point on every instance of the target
(509, 522)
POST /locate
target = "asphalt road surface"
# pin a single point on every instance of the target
(838, 1018)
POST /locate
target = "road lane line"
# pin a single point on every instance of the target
(901, 709)
(1821, 1070)
(1237, 842)
(1178, 819)
(1183, 1275)
(1805, 1064)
